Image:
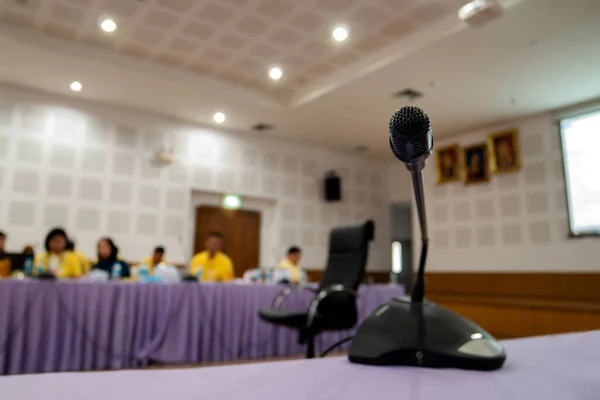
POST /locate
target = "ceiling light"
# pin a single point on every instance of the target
(219, 117)
(108, 25)
(275, 73)
(480, 12)
(340, 34)
(76, 86)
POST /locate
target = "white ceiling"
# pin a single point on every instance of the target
(338, 96)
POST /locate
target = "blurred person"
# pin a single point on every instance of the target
(5, 265)
(28, 251)
(290, 263)
(56, 260)
(84, 263)
(108, 259)
(2, 244)
(158, 257)
(212, 265)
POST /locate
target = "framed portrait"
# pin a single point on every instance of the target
(504, 151)
(476, 159)
(447, 164)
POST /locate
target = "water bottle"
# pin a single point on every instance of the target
(259, 275)
(39, 269)
(116, 271)
(393, 278)
(303, 278)
(143, 272)
(268, 274)
(199, 273)
(28, 266)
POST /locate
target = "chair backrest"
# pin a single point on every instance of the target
(348, 253)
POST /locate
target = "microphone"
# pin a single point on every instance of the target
(415, 331)
(411, 141)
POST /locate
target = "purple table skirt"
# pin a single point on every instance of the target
(562, 367)
(73, 326)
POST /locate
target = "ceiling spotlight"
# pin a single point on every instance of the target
(76, 86)
(480, 12)
(275, 73)
(340, 34)
(219, 117)
(108, 25)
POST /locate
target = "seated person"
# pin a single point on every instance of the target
(212, 264)
(84, 263)
(108, 258)
(2, 244)
(290, 263)
(4, 261)
(157, 257)
(56, 260)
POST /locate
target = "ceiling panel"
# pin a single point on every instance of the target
(237, 40)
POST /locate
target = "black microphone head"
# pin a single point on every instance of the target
(411, 138)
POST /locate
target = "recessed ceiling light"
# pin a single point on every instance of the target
(76, 86)
(340, 34)
(219, 117)
(108, 25)
(275, 73)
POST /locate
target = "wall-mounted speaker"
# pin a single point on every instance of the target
(332, 187)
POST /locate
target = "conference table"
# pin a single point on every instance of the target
(52, 326)
(561, 367)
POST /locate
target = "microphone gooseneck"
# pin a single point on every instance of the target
(411, 141)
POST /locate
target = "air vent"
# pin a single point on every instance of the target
(261, 127)
(408, 94)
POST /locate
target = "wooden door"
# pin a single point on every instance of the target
(241, 234)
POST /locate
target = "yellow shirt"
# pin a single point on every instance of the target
(295, 272)
(218, 268)
(66, 264)
(84, 262)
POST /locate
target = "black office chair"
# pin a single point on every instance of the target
(334, 305)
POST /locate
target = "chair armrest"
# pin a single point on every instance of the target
(278, 301)
(312, 309)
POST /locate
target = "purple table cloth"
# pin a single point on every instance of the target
(545, 368)
(71, 326)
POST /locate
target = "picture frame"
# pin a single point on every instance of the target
(476, 163)
(504, 151)
(447, 166)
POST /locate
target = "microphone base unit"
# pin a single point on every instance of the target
(423, 334)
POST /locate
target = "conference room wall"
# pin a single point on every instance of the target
(88, 167)
(516, 222)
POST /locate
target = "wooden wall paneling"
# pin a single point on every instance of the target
(511, 305)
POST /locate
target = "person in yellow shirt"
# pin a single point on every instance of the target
(212, 265)
(290, 263)
(56, 260)
(158, 256)
(84, 262)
